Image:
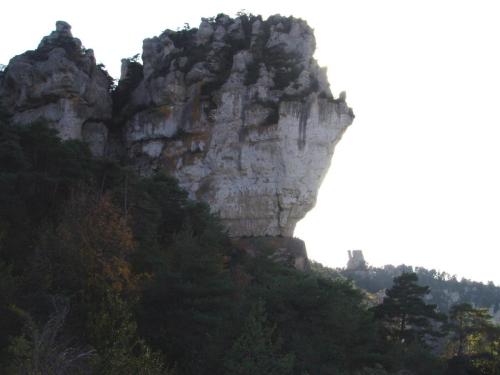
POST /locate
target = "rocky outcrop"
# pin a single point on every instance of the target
(237, 110)
(60, 84)
(356, 261)
(240, 112)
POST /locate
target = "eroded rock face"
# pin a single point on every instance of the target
(240, 112)
(60, 84)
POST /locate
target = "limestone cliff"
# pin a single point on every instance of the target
(59, 83)
(240, 112)
(237, 110)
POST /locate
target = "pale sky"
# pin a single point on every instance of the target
(415, 179)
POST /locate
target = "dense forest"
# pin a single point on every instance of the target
(106, 272)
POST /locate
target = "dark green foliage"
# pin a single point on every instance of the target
(10, 323)
(406, 317)
(115, 334)
(73, 49)
(287, 66)
(109, 80)
(61, 234)
(189, 297)
(322, 322)
(185, 41)
(182, 38)
(442, 286)
(151, 282)
(126, 85)
(462, 366)
(326, 272)
(466, 321)
(37, 171)
(474, 341)
(257, 350)
(414, 358)
(246, 22)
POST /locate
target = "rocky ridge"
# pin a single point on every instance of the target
(59, 83)
(238, 110)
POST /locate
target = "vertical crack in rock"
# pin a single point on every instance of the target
(280, 209)
(303, 118)
(242, 130)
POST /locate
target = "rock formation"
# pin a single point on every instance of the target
(237, 110)
(356, 261)
(240, 112)
(59, 83)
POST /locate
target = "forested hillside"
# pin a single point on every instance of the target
(106, 272)
(446, 289)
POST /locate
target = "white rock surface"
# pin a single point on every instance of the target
(238, 110)
(249, 126)
(60, 84)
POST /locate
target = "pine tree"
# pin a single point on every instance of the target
(404, 313)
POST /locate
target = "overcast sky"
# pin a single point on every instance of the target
(415, 179)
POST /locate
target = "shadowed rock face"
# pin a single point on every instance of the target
(238, 110)
(60, 84)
